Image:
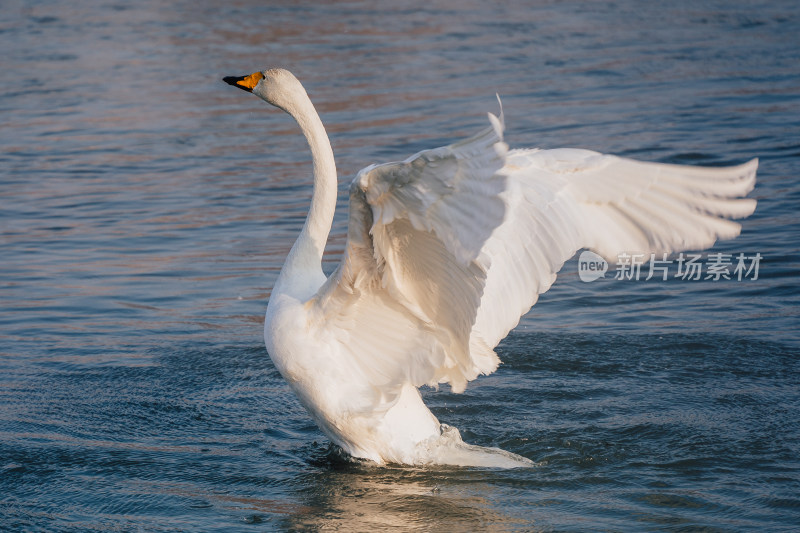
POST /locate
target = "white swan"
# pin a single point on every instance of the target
(445, 251)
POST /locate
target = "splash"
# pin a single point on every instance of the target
(449, 449)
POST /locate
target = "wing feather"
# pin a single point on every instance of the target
(447, 249)
(574, 198)
(415, 235)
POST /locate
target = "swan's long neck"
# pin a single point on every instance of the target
(304, 264)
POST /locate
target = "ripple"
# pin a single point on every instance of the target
(146, 211)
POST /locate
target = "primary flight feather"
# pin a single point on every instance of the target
(445, 252)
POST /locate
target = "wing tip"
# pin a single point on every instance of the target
(748, 207)
(498, 123)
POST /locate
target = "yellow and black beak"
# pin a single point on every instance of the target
(244, 82)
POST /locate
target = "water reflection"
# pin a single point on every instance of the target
(364, 498)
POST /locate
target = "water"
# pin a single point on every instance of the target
(146, 207)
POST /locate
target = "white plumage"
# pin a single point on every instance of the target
(445, 252)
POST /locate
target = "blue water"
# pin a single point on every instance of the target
(146, 208)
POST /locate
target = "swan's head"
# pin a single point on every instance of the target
(277, 86)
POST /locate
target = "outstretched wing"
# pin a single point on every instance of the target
(562, 200)
(404, 298)
(447, 249)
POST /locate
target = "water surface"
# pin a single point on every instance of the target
(146, 208)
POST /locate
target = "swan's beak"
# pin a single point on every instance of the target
(244, 82)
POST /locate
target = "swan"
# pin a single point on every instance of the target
(445, 252)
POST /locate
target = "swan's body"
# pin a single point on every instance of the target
(445, 252)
